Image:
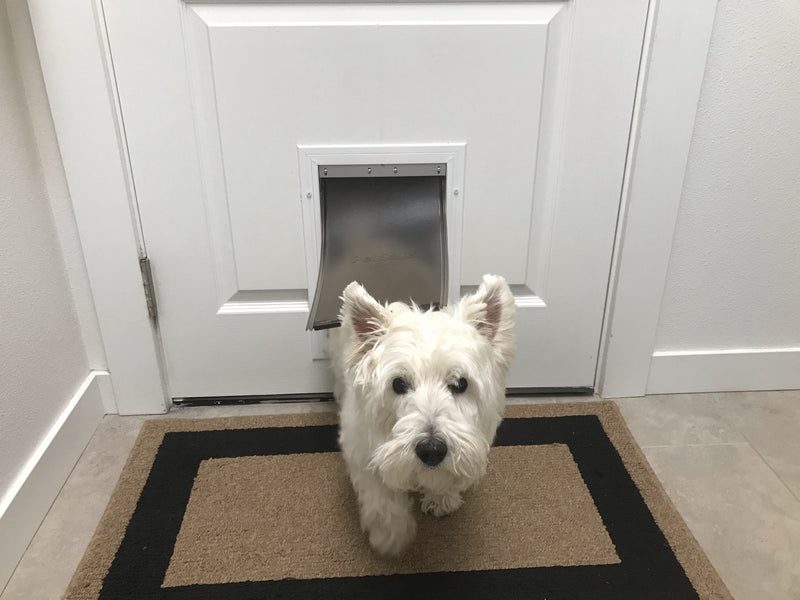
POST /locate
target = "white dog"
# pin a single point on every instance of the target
(421, 394)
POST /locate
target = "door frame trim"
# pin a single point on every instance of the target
(76, 67)
(677, 39)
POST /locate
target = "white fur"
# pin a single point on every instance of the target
(380, 429)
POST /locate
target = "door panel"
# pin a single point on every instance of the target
(218, 101)
(326, 89)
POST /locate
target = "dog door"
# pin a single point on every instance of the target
(383, 226)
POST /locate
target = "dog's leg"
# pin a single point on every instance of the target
(385, 515)
(439, 505)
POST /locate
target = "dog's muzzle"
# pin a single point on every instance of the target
(431, 451)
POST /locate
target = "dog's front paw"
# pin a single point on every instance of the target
(440, 505)
(393, 537)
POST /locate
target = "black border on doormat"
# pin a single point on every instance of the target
(648, 569)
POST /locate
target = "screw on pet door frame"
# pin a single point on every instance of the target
(382, 170)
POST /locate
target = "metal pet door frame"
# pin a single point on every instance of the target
(312, 158)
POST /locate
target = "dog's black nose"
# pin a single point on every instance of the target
(431, 451)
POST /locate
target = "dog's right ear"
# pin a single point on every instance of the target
(363, 315)
(491, 311)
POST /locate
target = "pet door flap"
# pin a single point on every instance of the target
(383, 226)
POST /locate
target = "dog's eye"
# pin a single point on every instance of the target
(459, 387)
(400, 385)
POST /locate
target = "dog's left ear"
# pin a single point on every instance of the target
(363, 315)
(491, 311)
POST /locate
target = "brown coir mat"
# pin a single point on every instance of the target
(261, 507)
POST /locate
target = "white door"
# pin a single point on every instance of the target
(227, 108)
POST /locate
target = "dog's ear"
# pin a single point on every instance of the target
(365, 317)
(491, 311)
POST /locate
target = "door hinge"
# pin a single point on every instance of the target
(149, 289)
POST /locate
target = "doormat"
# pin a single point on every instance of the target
(261, 507)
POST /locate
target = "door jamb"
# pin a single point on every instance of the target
(76, 68)
(674, 55)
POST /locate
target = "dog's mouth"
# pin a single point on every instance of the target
(433, 458)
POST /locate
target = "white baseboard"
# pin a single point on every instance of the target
(741, 369)
(30, 496)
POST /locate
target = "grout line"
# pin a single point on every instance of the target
(766, 462)
(741, 432)
(696, 445)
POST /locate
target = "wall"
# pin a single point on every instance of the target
(54, 179)
(733, 283)
(42, 354)
(47, 320)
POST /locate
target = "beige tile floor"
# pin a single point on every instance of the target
(730, 462)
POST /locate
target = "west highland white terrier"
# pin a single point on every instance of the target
(421, 395)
